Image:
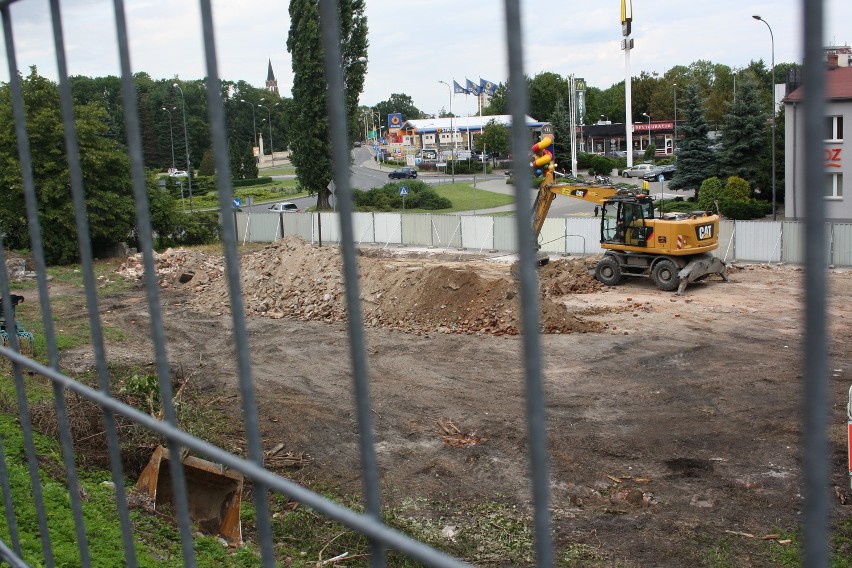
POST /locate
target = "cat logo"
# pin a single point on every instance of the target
(704, 232)
(581, 193)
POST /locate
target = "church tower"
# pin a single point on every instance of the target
(271, 83)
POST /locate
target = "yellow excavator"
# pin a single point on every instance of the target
(673, 249)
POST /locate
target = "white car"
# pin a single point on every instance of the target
(638, 170)
(179, 174)
(284, 207)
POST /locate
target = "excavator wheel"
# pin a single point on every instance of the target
(608, 271)
(665, 275)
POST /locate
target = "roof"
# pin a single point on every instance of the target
(270, 76)
(464, 123)
(838, 86)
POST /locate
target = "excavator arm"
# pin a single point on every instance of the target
(549, 189)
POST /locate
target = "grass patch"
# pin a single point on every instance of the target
(465, 198)
(275, 191)
(286, 170)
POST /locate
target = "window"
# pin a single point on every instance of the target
(834, 186)
(834, 128)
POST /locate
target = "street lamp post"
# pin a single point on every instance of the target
(172, 137)
(774, 109)
(186, 143)
(253, 124)
(377, 127)
(645, 114)
(452, 131)
(271, 147)
(674, 142)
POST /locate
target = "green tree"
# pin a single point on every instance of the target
(494, 138)
(105, 168)
(309, 115)
(499, 102)
(696, 161)
(744, 135)
(544, 90)
(401, 103)
(561, 121)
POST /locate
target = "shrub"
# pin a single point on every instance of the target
(249, 182)
(387, 198)
(196, 228)
(601, 165)
(709, 192)
(744, 208)
(736, 188)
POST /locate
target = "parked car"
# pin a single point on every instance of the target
(284, 207)
(637, 171)
(403, 173)
(179, 174)
(654, 173)
(357, 143)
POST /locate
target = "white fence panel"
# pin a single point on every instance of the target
(583, 235)
(758, 241)
(262, 227)
(329, 224)
(477, 232)
(505, 233)
(842, 245)
(793, 242)
(417, 230)
(364, 227)
(552, 235)
(446, 231)
(726, 249)
(388, 228)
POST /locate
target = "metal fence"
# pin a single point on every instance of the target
(810, 241)
(739, 241)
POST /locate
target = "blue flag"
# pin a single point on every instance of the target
(487, 87)
(472, 87)
(459, 90)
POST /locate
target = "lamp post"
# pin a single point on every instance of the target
(774, 109)
(674, 142)
(377, 127)
(645, 114)
(253, 124)
(171, 136)
(186, 143)
(452, 131)
(271, 147)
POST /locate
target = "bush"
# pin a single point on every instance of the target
(744, 209)
(387, 198)
(709, 192)
(249, 182)
(601, 165)
(196, 228)
(737, 189)
(650, 152)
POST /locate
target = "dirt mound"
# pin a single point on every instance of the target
(294, 279)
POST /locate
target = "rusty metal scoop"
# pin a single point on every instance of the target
(214, 493)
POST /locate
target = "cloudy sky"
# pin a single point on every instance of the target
(416, 43)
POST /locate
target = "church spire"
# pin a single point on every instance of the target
(271, 83)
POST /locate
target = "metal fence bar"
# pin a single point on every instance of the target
(90, 283)
(219, 137)
(815, 412)
(340, 145)
(25, 158)
(143, 224)
(537, 431)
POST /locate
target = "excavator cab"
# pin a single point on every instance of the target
(623, 220)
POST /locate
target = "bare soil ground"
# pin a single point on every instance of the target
(673, 421)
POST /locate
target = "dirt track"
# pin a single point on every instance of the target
(672, 420)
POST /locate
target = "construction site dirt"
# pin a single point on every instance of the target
(674, 422)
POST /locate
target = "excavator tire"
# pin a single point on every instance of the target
(608, 271)
(665, 275)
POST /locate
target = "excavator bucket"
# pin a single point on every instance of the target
(213, 492)
(700, 268)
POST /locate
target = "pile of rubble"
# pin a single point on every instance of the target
(294, 279)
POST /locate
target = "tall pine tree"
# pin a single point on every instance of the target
(311, 147)
(744, 135)
(695, 160)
